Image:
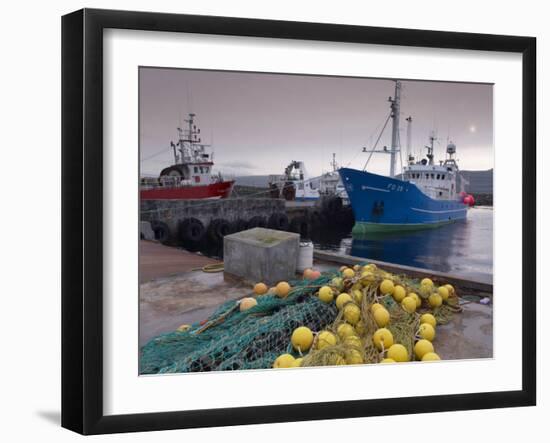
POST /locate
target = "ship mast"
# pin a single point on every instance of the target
(395, 109)
(410, 157)
(430, 149)
(192, 132)
(189, 144)
(333, 163)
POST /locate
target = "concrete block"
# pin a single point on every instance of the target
(145, 231)
(261, 254)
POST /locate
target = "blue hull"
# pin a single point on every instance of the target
(384, 204)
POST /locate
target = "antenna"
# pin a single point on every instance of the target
(410, 156)
(430, 148)
(333, 163)
(395, 110)
(189, 102)
(212, 144)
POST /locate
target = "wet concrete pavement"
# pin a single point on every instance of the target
(166, 303)
(158, 261)
(468, 335)
(174, 291)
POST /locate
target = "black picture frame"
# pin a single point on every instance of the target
(82, 218)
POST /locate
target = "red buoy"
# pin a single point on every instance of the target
(469, 200)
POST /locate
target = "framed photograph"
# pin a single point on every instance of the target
(268, 221)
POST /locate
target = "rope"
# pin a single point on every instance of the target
(163, 151)
(215, 267)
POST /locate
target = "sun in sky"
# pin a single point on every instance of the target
(473, 128)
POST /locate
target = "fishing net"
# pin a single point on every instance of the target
(233, 340)
(402, 325)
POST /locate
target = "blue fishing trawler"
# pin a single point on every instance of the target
(424, 195)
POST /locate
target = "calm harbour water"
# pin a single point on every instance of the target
(463, 248)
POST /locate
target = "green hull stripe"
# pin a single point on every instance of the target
(362, 228)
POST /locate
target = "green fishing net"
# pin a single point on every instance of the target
(233, 340)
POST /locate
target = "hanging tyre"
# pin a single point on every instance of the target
(191, 231)
(332, 205)
(162, 232)
(278, 221)
(239, 225)
(345, 219)
(218, 229)
(300, 225)
(316, 219)
(257, 222)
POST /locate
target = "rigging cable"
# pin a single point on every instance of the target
(153, 155)
(370, 138)
(377, 140)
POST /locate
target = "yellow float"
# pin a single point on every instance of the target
(301, 339)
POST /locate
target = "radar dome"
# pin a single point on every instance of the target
(451, 148)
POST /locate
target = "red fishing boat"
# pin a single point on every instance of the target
(190, 177)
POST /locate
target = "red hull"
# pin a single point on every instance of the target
(214, 190)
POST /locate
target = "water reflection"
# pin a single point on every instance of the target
(464, 247)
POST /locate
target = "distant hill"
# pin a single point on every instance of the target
(480, 182)
(258, 181)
